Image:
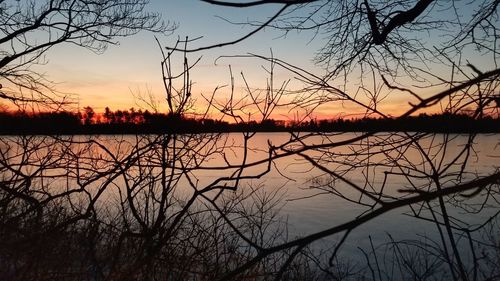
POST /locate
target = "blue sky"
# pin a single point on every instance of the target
(133, 67)
(110, 78)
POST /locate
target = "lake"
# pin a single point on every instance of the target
(309, 209)
(312, 181)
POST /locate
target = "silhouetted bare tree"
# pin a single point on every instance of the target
(135, 207)
(393, 48)
(197, 206)
(29, 28)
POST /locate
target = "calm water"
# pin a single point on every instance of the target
(308, 203)
(309, 210)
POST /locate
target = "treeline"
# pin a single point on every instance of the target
(144, 122)
(437, 123)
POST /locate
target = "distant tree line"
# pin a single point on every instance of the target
(134, 121)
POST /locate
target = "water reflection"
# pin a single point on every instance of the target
(237, 194)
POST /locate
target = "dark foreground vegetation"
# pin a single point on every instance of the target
(145, 122)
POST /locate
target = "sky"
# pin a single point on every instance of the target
(132, 68)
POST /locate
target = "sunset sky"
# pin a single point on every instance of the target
(133, 67)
